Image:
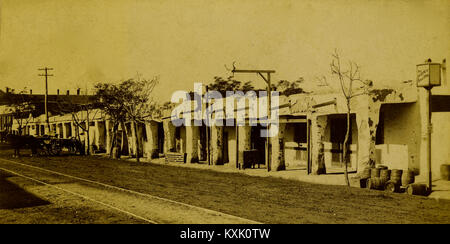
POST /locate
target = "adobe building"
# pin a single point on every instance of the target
(387, 127)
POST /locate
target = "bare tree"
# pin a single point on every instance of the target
(352, 85)
(83, 122)
(131, 101)
(81, 111)
(112, 102)
(21, 108)
(139, 104)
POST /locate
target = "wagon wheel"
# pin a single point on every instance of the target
(46, 146)
(73, 147)
(42, 149)
(55, 148)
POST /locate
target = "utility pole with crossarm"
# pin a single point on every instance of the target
(46, 74)
(269, 104)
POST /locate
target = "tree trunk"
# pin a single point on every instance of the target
(125, 139)
(136, 140)
(77, 130)
(345, 148)
(113, 139)
(88, 149)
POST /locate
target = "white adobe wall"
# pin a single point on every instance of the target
(402, 135)
(440, 142)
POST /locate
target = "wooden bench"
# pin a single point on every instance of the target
(175, 157)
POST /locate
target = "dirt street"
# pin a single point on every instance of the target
(165, 194)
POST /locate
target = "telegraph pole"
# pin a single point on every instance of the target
(269, 104)
(46, 74)
(208, 133)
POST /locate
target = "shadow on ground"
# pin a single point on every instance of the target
(12, 196)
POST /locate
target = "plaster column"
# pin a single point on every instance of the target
(151, 129)
(92, 137)
(169, 136)
(46, 130)
(65, 130)
(277, 154)
(367, 121)
(217, 144)
(74, 128)
(182, 139)
(108, 136)
(192, 142)
(318, 126)
(59, 130)
(70, 130)
(132, 143)
(96, 134)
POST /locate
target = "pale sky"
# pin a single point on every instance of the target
(187, 41)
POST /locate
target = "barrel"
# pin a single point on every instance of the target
(366, 173)
(396, 175)
(417, 189)
(408, 177)
(376, 183)
(445, 172)
(385, 174)
(392, 186)
(374, 173)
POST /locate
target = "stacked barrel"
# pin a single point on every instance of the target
(382, 178)
(376, 182)
(365, 176)
(408, 178)
(395, 180)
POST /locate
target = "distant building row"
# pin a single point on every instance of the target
(387, 127)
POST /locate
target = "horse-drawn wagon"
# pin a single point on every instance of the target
(44, 145)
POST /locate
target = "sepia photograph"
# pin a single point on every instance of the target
(224, 117)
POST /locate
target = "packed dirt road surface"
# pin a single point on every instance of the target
(137, 206)
(94, 189)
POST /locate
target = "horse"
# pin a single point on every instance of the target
(18, 142)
